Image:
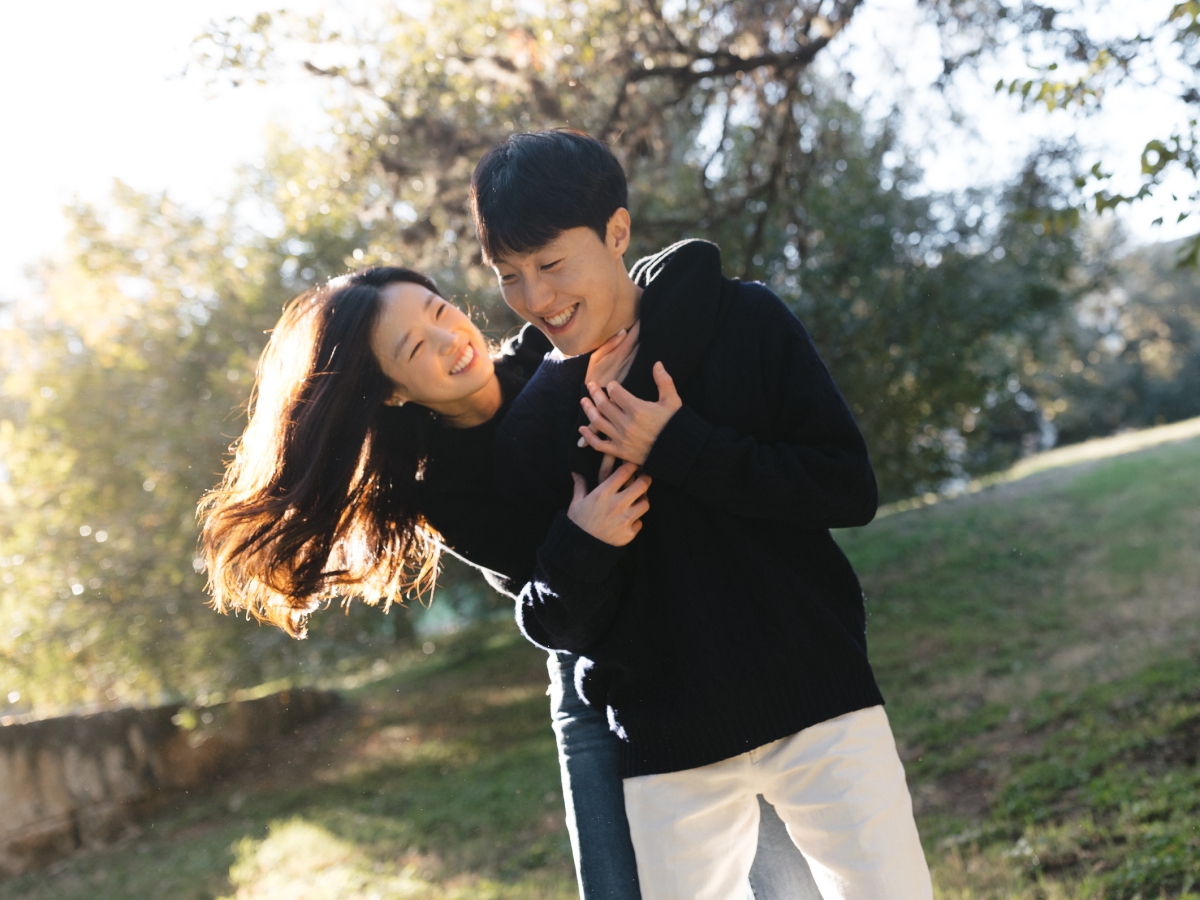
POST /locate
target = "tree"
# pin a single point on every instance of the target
(116, 406)
(122, 393)
(1079, 52)
(1138, 363)
(725, 134)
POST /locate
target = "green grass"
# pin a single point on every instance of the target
(440, 782)
(1037, 643)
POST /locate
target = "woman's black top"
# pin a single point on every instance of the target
(458, 494)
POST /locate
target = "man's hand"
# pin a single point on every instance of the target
(613, 511)
(612, 359)
(625, 426)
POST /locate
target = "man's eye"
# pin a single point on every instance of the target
(551, 265)
(415, 349)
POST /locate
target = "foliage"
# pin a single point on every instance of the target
(726, 136)
(122, 393)
(936, 313)
(423, 97)
(120, 388)
(1139, 350)
(1078, 56)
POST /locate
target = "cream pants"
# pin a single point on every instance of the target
(838, 786)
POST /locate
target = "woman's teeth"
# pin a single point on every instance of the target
(464, 360)
(563, 317)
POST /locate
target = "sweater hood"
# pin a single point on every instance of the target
(679, 310)
(683, 296)
(690, 253)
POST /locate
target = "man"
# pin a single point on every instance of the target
(727, 640)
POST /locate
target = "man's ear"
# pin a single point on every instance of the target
(619, 231)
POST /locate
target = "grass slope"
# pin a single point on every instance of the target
(439, 782)
(1036, 642)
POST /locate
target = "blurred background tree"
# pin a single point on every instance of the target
(1076, 55)
(728, 134)
(961, 328)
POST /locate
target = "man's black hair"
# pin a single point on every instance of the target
(533, 186)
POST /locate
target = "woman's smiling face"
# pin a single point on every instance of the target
(430, 350)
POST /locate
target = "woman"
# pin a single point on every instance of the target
(368, 452)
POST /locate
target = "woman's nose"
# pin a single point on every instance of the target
(446, 341)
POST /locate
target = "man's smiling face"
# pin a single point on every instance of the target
(571, 288)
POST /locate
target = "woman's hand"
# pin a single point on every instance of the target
(613, 511)
(625, 426)
(612, 359)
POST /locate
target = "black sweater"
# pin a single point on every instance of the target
(457, 492)
(733, 619)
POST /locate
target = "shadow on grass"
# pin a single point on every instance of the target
(439, 782)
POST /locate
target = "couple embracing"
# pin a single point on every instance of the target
(651, 469)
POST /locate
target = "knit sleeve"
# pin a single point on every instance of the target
(572, 596)
(813, 469)
(522, 353)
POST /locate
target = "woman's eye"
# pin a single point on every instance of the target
(415, 349)
(441, 309)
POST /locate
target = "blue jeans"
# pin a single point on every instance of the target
(605, 865)
(595, 801)
(780, 870)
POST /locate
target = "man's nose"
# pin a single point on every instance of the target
(539, 297)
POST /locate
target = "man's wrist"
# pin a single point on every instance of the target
(677, 446)
(572, 549)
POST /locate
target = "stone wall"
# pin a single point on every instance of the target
(80, 781)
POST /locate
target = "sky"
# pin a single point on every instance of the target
(93, 91)
(894, 56)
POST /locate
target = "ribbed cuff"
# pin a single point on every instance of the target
(677, 446)
(572, 550)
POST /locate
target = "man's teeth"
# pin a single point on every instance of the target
(463, 361)
(563, 317)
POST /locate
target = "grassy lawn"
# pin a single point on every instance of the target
(440, 782)
(1037, 643)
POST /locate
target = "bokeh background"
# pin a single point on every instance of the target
(927, 185)
(979, 209)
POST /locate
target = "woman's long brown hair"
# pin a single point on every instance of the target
(319, 499)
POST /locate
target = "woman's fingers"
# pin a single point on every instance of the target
(638, 486)
(597, 417)
(617, 479)
(604, 402)
(580, 490)
(607, 463)
(666, 385)
(610, 345)
(593, 440)
(589, 409)
(619, 397)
